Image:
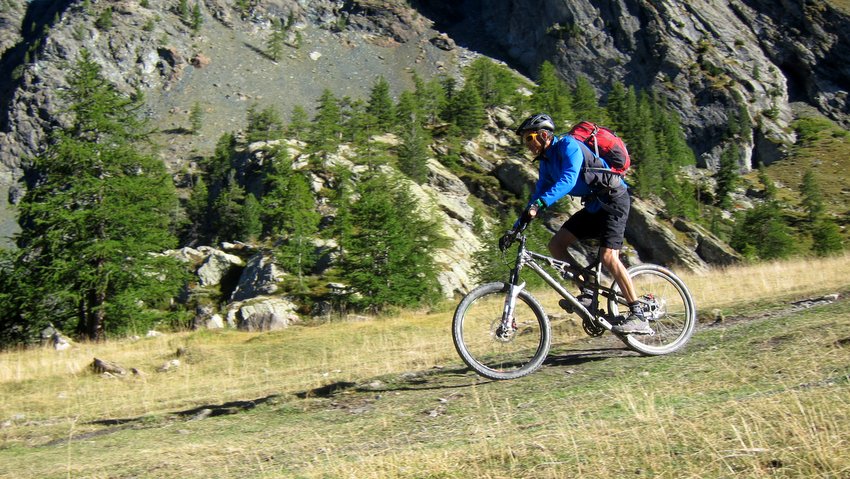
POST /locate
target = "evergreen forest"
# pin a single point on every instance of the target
(100, 209)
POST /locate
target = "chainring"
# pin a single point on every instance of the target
(591, 328)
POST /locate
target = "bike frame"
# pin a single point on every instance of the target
(532, 260)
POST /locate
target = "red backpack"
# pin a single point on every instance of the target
(605, 144)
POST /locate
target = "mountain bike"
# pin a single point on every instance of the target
(502, 332)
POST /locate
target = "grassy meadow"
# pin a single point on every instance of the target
(764, 393)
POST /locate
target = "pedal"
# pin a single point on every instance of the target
(566, 306)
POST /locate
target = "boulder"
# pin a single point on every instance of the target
(206, 317)
(216, 266)
(516, 176)
(259, 278)
(656, 243)
(262, 314)
(709, 247)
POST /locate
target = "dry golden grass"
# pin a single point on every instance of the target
(757, 403)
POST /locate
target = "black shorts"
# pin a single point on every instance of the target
(608, 224)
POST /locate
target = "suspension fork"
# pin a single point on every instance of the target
(514, 289)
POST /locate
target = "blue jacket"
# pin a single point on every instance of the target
(560, 173)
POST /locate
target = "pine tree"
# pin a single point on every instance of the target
(326, 129)
(389, 256)
(263, 125)
(413, 152)
(585, 102)
(762, 232)
(299, 123)
(183, 10)
(380, 106)
(430, 97)
(356, 122)
(274, 46)
(104, 21)
(826, 237)
(92, 220)
(297, 253)
(727, 177)
(197, 18)
(250, 224)
(552, 95)
(227, 212)
(196, 117)
(495, 83)
(407, 110)
(469, 116)
(812, 198)
(196, 227)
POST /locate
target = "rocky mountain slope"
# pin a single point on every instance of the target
(708, 60)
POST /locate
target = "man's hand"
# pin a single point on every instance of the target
(531, 212)
(507, 240)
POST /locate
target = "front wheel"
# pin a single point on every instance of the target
(488, 349)
(667, 304)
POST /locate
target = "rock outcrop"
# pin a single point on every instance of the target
(708, 58)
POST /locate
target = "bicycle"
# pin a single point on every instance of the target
(502, 332)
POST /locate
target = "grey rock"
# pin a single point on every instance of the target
(259, 278)
(216, 266)
(263, 314)
(656, 243)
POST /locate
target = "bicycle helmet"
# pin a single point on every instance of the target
(540, 121)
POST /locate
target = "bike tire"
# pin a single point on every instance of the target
(674, 318)
(473, 331)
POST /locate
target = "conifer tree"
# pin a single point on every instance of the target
(274, 45)
(356, 121)
(263, 125)
(585, 102)
(299, 123)
(196, 226)
(289, 214)
(296, 252)
(761, 233)
(811, 197)
(727, 177)
(413, 151)
(197, 18)
(227, 212)
(826, 237)
(250, 224)
(389, 256)
(380, 106)
(183, 10)
(552, 96)
(196, 117)
(90, 223)
(407, 110)
(495, 83)
(429, 99)
(469, 115)
(326, 130)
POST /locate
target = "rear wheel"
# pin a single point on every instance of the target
(668, 306)
(488, 349)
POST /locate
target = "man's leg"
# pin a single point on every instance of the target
(611, 262)
(559, 243)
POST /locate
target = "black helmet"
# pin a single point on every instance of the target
(540, 121)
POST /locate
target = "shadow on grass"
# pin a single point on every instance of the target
(576, 358)
(435, 379)
(211, 410)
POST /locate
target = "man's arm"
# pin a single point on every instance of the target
(567, 164)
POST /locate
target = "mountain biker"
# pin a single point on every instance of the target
(604, 214)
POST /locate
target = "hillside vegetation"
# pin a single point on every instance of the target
(761, 393)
